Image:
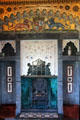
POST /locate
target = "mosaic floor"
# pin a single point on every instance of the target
(37, 116)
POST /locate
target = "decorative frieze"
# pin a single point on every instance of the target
(43, 18)
(35, 1)
(39, 49)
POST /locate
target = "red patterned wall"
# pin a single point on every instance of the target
(71, 111)
(7, 111)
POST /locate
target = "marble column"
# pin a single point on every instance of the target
(60, 78)
(18, 78)
(79, 68)
(1, 82)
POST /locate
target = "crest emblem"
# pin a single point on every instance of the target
(38, 24)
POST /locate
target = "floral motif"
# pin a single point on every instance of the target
(75, 8)
(1, 10)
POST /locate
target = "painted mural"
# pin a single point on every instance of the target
(32, 18)
(32, 50)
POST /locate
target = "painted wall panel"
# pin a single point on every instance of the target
(7, 98)
(0, 82)
(27, 94)
(32, 50)
(71, 98)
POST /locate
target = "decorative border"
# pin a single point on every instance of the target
(36, 1)
(67, 76)
(9, 78)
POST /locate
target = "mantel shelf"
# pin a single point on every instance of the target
(39, 76)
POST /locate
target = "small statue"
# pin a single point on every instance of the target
(47, 72)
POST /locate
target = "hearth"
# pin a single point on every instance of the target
(40, 93)
(39, 87)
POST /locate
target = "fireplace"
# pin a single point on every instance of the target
(40, 93)
(39, 87)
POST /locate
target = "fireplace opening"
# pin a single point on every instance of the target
(40, 93)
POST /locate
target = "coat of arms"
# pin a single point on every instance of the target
(38, 24)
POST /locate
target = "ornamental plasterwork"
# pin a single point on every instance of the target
(2, 44)
(32, 50)
(36, 1)
(40, 18)
(75, 41)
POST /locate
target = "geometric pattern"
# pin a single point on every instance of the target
(34, 115)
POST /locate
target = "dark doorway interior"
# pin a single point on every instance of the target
(40, 93)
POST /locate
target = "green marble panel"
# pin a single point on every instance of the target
(26, 94)
(53, 96)
(26, 91)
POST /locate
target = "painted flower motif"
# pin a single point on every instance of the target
(44, 12)
(24, 14)
(50, 13)
(38, 24)
(37, 12)
(31, 13)
(67, 7)
(15, 8)
(61, 6)
(9, 9)
(1, 10)
(31, 57)
(75, 8)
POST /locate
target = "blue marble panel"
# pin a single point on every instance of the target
(26, 89)
(53, 85)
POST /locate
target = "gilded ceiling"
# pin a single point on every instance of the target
(48, 16)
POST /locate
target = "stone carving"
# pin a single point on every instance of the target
(39, 67)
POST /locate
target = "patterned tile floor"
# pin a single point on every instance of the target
(38, 115)
(68, 119)
(47, 119)
(41, 116)
(63, 118)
